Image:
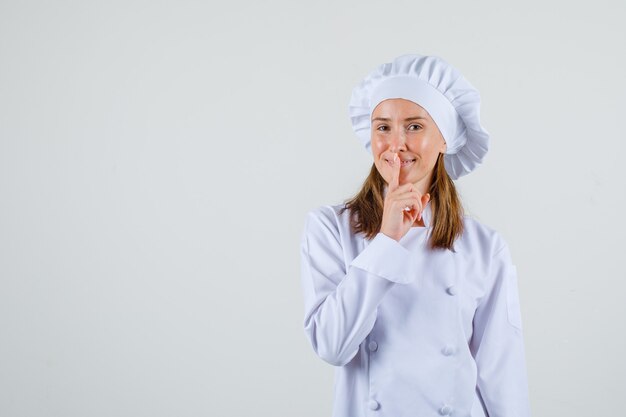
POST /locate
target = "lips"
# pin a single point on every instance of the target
(405, 162)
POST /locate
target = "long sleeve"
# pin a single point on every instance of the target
(497, 343)
(341, 296)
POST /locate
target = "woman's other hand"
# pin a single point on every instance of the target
(403, 205)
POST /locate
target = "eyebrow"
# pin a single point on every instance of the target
(408, 119)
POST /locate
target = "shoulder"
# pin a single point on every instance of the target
(328, 219)
(479, 235)
(486, 247)
(327, 212)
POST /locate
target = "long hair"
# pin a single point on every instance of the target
(366, 207)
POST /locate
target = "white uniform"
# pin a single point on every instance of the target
(412, 331)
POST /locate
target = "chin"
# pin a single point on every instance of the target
(413, 179)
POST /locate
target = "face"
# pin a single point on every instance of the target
(403, 127)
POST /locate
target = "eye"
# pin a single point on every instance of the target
(415, 127)
(381, 128)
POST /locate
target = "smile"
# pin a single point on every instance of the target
(404, 163)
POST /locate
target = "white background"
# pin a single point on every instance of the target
(157, 160)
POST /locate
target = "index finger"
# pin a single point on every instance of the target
(395, 173)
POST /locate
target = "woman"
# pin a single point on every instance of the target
(415, 303)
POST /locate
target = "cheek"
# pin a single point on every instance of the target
(378, 149)
(428, 147)
(381, 165)
(377, 145)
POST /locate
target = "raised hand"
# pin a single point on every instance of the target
(403, 205)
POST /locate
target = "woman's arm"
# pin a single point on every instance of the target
(497, 343)
(340, 302)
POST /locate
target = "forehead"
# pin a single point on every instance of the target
(398, 106)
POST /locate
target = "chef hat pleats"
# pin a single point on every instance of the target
(452, 102)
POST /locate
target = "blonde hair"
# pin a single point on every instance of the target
(366, 207)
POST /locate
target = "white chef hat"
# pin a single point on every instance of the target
(452, 102)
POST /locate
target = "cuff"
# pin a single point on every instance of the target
(386, 258)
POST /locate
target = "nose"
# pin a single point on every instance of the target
(397, 141)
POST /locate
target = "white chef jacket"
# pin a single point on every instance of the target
(414, 331)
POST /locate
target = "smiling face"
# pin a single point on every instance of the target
(403, 127)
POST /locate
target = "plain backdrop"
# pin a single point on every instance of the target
(157, 160)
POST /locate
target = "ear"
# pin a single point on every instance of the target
(444, 148)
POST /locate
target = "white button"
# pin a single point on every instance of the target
(448, 350)
(445, 410)
(452, 290)
(373, 346)
(373, 404)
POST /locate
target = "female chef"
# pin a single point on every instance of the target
(415, 303)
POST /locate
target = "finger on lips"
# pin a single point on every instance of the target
(395, 174)
(406, 195)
